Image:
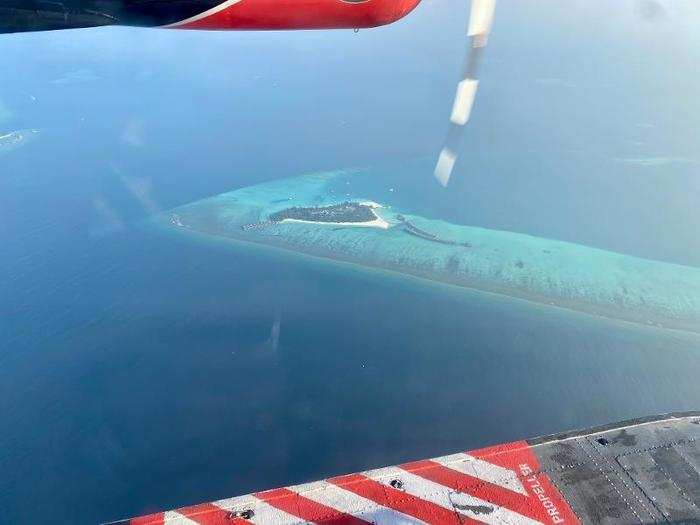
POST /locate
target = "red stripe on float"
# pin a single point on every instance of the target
(477, 487)
(306, 509)
(209, 514)
(518, 457)
(152, 519)
(398, 500)
(508, 455)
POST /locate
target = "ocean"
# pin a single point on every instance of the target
(139, 369)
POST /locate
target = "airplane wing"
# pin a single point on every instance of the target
(42, 15)
(640, 471)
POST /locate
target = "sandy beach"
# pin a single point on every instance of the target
(378, 222)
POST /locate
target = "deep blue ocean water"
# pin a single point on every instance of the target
(136, 372)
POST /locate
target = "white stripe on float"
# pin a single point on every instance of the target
(208, 12)
(263, 512)
(414, 485)
(175, 518)
(478, 468)
(350, 503)
(447, 498)
(498, 516)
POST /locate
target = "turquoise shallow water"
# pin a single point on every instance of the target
(10, 141)
(539, 269)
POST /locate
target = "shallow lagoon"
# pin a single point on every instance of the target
(542, 270)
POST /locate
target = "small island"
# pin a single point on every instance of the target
(15, 139)
(344, 214)
(9, 139)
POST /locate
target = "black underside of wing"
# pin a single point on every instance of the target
(44, 15)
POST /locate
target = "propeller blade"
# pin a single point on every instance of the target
(480, 21)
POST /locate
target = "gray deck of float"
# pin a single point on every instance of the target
(640, 471)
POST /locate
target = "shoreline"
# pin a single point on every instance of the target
(507, 293)
(378, 222)
(513, 265)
